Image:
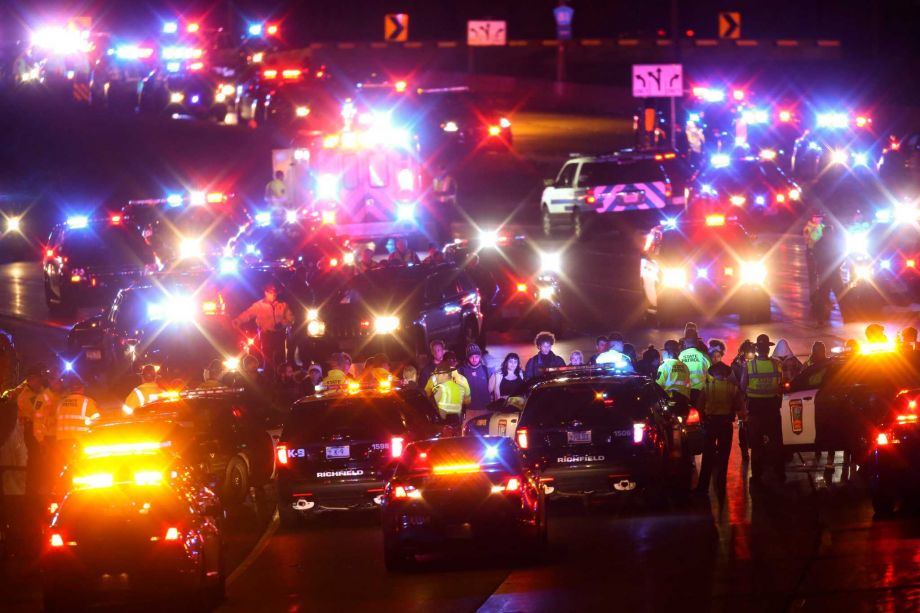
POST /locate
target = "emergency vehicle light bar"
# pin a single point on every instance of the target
(119, 449)
(585, 368)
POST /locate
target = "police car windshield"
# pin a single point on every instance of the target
(358, 416)
(695, 239)
(388, 285)
(599, 404)
(116, 246)
(88, 510)
(619, 173)
(742, 174)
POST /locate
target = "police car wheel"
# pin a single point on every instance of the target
(546, 221)
(578, 224)
(236, 482)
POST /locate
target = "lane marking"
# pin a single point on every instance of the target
(250, 559)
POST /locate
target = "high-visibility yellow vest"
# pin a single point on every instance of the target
(674, 376)
(141, 395)
(335, 378)
(74, 414)
(764, 378)
(698, 364)
(449, 397)
(720, 395)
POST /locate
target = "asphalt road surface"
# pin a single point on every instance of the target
(808, 544)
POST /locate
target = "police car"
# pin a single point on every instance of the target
(134, 523)
(87, 260)
(840, 142)
(743, 185)
(502, 419)
(587, 187)
(454, 118)
(291, 96)
(899, 165)
(845, 402)
(518, 282)
(226, 432)
(704, 265)
(192, 93)
(892, 466)
(167, 324)
(398, 310)
(338, 448)
(117, 75)
(454, 492)
(592, 431)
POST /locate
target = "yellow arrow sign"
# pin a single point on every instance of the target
(730, 25)
(396, 27)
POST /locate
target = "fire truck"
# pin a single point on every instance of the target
(369, 182)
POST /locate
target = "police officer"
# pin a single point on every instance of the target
(402, 254)
(761, 382)
(673, 375)
(719, 401)
(337, 376)
(212, 376)
(146, 392)
(697, 362)
(812, 233)
(273, 318)
(75, 412)
(448, 395)
(445, 187)
(276, 191)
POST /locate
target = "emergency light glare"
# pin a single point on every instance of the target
(674, 277)
(754, 116)
(491, 452)
(753, 273)
(885, 264)
(406, 179)
(170, 27)
(197, 198)
(13, 224)
(551, 262)
(737, 200)
(228, 266)
(451, 126)
(504, 122)
(785, 116)
(760, 200)
(738, 94)
(263, 219)
(174, 199)
(669, 222)
(832, 120)
(861, 159)
(190, 248)
(195, 99)
(767, 154)
(702, 273)
(302, 111)
(255, 29)
(794, 194)
(404, 212)
(176, 97)
(839, 156)
(173, 66)
(77, 222)
(290, 216)
(327, 187)
(386, 325)
(232, 363)
(192, 28)
(547, 292)
(720, 160)
(857, 242)
(272, 30)
(68, 366)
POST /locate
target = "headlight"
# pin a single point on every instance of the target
(861, 159)
(316, 328)
(794, 194)
(13, 224)
(857, 243)
(839, 156)
(228, 266)
(190, 248)
(302, 111)
(348, 259)
(312, 314)
(550, 262)
(176, 97)
(674, 277)
(753, 273)
(488, 239)
(737, 200)
(451, 126)
(232, 363)
(386, 325)
(327, 187)
(863, 272)
(547, 292)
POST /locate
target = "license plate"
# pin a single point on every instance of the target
(93, 354)
(579, 437)
(632, 197)
(338, 452)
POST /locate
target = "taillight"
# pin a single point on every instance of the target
(494, 130)
(668, 191)
(638, 433)
(49, 253)
(693, 417)
(406, 492)
(521, 287)
(281, 452)
(521, 436)
(882, 439)
(56, 540)
(590, 199)
(513, 485)
(172, 534)
(396, 446)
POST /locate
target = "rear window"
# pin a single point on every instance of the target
(491, 454)
(703, 241)
(610, 173)
(592, 404)
(368, 417)
(114, 246)
(120, 503)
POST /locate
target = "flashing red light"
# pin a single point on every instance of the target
(250, 342)
(115, 219)
(785, 116)
(911, 263)
(738, 94)
(333, 262)
(272, 30)
(196, 66)
(396, 446)
(591, 199)
(862, 121)
(780, 198)
(521, 435)
(693, 417)
(320, 74)
(661, 33)
(668, 191)
(49, 253)
(172, 534)
(494, 130)
(270, 74)
(895, 145)
(209, 307)
(882, 439)
(690, 33)
(56, 540)
(192, 28)
(400, 86)
(291, 73)
(215, 197)
(908, 418)
(281, 454)
(513, 485)
(522, 287)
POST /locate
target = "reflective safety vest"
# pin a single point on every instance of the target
(276, 190)
(674, 376)
(764, 378)
(698, 364)
(720, 395)
(449, 397)
(141, 395)
(335, 378)
(813, 233)
(75, 412)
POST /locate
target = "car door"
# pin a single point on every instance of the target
(560, 197)
(437, 316)
(799, 421)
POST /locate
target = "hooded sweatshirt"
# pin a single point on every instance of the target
(791, 364)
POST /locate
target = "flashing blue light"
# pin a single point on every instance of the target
(173, 66)
(170, 27)
(702, 273)
(883, 215)
(707, 189)
(815, 146)
(251, 249)
(720, 160)
(760, 200)
(78, 221)
(196, 99)
(669, 222)
(174, 199)
(694, 117)
(255, 29)
(885, 264)
(68, 366)
(405, 212)
(861, 159)
(755, 116)
(228, 266)
(833, 120)
(264, 218)
(492, 452)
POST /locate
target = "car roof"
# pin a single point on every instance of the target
(589, 376)
(367, 392)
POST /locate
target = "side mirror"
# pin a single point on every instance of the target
(549, 182)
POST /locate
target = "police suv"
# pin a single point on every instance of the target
(597, 185)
